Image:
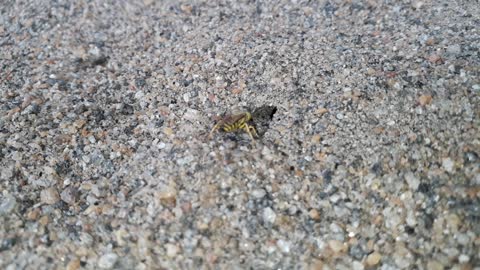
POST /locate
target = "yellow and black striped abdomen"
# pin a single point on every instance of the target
(235, 122)
(234, 126)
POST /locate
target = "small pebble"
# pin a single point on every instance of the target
(448, 164)
(49, 196)
(321, 111)
(192, 115)
(373, 259)
(33, 214)
(336, 246)
(284, 246)
(168, 196)
(412, 181)
(107, 261)
(186, 97)
(435, 59)
(314, 214)
(356, 265)
(74, 264)
(69, 195)
(44, 220)
(316, 265)
(454, 49)
(463, 258)
(425, 100)
(7, 204)
(168, 131)
(139, 95)
(434, 265)
(417, 4)
(172, 250)
(269, 215)
(316, 138)
(259, 193)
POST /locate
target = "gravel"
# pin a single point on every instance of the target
(367, 111)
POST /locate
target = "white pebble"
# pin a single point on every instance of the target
(107, 261)
(412, 181)
(463, 258)
(259, 193)
(463, 239)
(7, 204)
(356, 265)
(139, 95)
(284, 246)
(186, 97)
(172, 250)
(269, 215)
(448, 164)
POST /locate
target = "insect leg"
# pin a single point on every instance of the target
(215, 128)
(254, 131)
(247, 129)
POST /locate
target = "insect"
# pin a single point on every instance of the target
(231, 123)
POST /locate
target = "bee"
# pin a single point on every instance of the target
(231, 123)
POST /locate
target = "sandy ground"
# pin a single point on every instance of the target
(371, 161)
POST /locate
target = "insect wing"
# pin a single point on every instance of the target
(232, 119)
